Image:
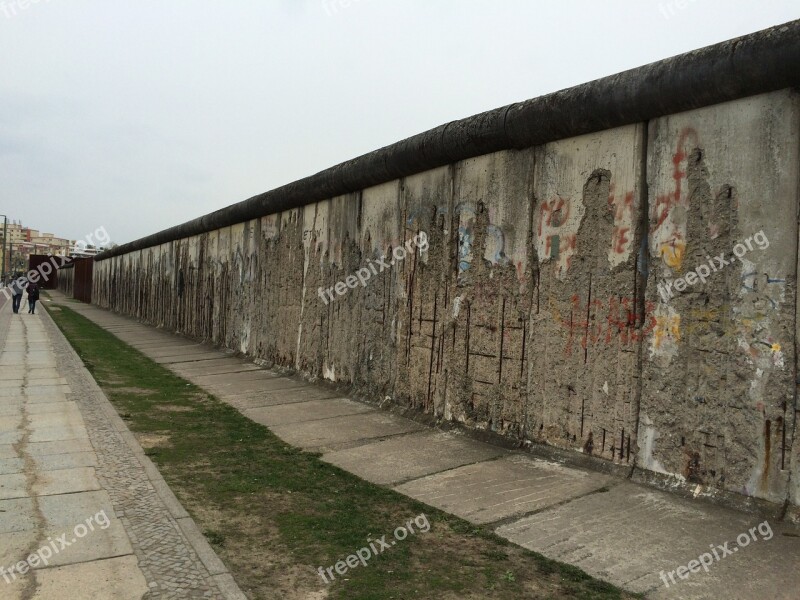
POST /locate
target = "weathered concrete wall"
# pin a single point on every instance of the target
(587, 328)
(534, 309)
(66, 280)
(75, 278)
(718, 402)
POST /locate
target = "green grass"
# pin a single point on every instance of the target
(275, 513)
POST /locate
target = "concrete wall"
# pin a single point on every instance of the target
(75, 279)
(66, 280)
(534, 311)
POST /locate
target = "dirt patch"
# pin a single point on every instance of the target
(241, 535)
(174, 408)
(133, 390)
(152, 440)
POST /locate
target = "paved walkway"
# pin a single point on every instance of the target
(610, 527)
(77, 494)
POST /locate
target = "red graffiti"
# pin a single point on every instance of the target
(623, 215)
(605, 322)
(553, 215)
(666, 202)
(620, 239)
(557, 210)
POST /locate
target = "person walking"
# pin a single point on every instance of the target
(16, 295)
(33, 296)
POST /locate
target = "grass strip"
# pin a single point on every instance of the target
(275, 513)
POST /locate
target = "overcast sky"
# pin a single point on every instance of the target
(139, 115)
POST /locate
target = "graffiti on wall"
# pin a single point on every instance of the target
(603, 322)
(557, 232)
(495, 241)
(621, 206)
(560, 218)
(670, 211)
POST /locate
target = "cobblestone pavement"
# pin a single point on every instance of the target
(634, 536)
(77, 492)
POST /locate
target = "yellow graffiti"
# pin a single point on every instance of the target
(667, 327)
(556, 314)
(672, 253)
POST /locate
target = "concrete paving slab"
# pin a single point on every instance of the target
(64, 481)
(184, 371)
(253, 387)
(17, 515)
(32, 390)
(57, 433)
(630, 534)
(10, 437)
(52, 462)
(289, 396)
(13, 486)
(10, 422)
(300, 412)
(210, 364)
(189, 358)
(15, 408)
(492, 491)
(47, 448)
(166, 350)
(67, 416)
(11, 465)
(95, 545)
(119, 578)
(32, 400)
(234, 379)
(411, 456)
(44, 381)
(8, 451)
(330, 433)
(15, 590)
(71, 460)
(12, 394)
(35, 389)
(135, 338)
(15, 372)
(123, 326)
(144, 348)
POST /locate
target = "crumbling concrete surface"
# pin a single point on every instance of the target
(538, 306)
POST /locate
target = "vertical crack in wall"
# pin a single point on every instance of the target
(794, 468)
(641, 273)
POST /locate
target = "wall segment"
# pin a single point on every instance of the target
(538, 308)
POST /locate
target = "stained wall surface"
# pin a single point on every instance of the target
(66, 280)
(534, 293)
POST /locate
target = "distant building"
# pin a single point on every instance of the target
(23, 241)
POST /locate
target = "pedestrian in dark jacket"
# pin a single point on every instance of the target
(33, 296)
(16, 293)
